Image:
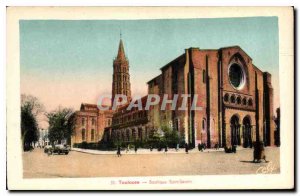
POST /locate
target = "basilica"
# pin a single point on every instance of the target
(236, 98)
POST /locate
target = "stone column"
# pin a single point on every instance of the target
(143, 133)
(241, 135)
(135, 134)
(130, 134)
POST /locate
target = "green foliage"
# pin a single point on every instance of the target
(61, 124)
(29, 127)
(109, 145)
(30, 108)
(171, 137)
(158, 139)
(118, 143)
(101, 145)
(165, 136)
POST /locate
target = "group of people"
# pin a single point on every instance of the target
(258, 150)
(127, 150)
(186, 146)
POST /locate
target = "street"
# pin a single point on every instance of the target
(38, 164)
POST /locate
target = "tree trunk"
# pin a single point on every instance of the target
(23, 140)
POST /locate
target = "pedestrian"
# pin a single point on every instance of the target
(259, 152)
(177, 147)
(135, 148)
(186, 148)
(119, 151)
(127, 150)
(166, 149)
(151, 148)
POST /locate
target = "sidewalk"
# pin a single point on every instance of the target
(147, 151)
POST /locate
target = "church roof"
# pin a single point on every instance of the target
(87, 106)
(121, 51)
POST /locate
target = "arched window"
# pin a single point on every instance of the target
(244, 101)
(232, 99)
(92, 135)
(238, 100)
(204, 76)
(250, 102)
(83, 134)
(226, 97)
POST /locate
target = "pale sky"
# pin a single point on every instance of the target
(70, 62)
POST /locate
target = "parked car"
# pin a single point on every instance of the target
(47, 148)
(61, 149)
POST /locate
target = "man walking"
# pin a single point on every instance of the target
(186, 148)
(119, 151)
(135, 148)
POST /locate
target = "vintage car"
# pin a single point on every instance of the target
(61, 149)
(47, 148)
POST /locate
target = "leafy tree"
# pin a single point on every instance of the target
(30, 109)
(29, 127)
(61, 124)
(171, 137)
(156, 138)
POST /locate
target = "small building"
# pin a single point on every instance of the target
(90, 123)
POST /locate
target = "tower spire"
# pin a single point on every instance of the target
(121, 77)
(121, 52)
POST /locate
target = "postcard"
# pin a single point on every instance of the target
(150, 98)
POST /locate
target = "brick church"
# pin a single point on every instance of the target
(236, 99)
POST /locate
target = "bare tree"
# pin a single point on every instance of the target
(33, 103)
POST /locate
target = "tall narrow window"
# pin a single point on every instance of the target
(204, 76)
(83, 134)
(82, 121)
(203, 124)
(92, 135)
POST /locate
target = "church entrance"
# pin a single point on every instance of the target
(247, 132)
(235, 131)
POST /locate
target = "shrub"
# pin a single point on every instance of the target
(84, 145)
(201, 147)
(106, 145)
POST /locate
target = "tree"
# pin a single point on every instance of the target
(61, 124)
(33, 104)
(30, 109)
(170, 136)
(156, 138)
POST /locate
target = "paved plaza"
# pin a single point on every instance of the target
(37, 164)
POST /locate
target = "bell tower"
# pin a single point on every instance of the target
(121, 77)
